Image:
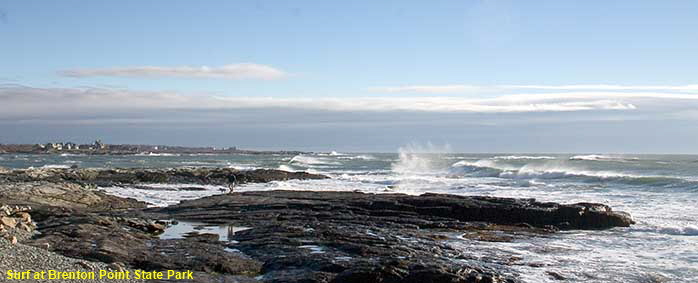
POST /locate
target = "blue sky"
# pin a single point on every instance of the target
(492, 76)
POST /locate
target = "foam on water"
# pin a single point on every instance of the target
(311, 160)
(600, 157)
(164, 194)
(516, 157)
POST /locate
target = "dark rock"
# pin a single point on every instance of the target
(398, 208)
(556, 275)
(202, 237)
(62, 195)
(121, 239)
(356, 237)
(111, 177)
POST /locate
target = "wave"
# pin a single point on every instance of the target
(286, 168)
(359, 157)
(489, 168)
(242, 167)
(52, 166)
(155, 154)
(517, 157)
(332, 153)
(309, 160)
(72, 154)
(687, 230)
(599, 157)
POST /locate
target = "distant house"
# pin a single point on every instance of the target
(71, 146)
(56, 146)
(99, 145)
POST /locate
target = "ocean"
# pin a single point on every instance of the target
(659, 191)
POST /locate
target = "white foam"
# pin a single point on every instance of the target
(50, 166)
(286, 168)
(310, 160)
(517, 157)
(160, 195)
(359, 157)
(156, 154)
(677, 229)
(599, 157)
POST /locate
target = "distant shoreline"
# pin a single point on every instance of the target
(127, 149)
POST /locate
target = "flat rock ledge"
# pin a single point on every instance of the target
(293, 236)
(303, 236)
(184, 175)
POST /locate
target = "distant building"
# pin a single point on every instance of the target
(71, 146)
(55, 146)
(99, 145)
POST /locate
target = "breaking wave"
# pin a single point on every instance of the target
(359, 157)
(309, 160)
(286, 168)
(686, 230)
(517, 157)
(490, 168)
(52, 166)
(599, 157)
(331, 153)
(155, 154)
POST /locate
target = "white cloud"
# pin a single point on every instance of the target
(232, 71)
(432, 88)
(607, 87)
(462, 88)
(21, 100)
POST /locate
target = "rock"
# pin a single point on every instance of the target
(66, 195)
(197, 175)
(304, 236)
(86, 265)
(111, 238)
(339, 205)
(8, 221)
(26, 217)
(117, 266)
(12, 239)
(202, 237)
(25, 227)
(45, 246)
(293, 236)
(556, 275)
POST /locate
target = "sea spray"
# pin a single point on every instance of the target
(416, 159)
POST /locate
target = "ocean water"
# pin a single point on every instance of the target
(660, 191)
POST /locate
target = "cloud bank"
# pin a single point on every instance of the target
(462, 88)
(19, 100)
(232, 72)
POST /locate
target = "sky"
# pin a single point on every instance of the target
(479, 76)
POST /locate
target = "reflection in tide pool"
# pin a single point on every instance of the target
(183, 228)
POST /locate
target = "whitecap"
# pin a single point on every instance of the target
(517, 157)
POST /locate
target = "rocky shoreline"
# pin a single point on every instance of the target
(282, 236)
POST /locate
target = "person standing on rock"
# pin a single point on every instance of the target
(232, 182)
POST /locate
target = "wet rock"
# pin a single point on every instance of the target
(126, 240)
(66, 195)
(356, 237)
(556, 275)
(202, 237)
(418, 210)
(111, 177)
